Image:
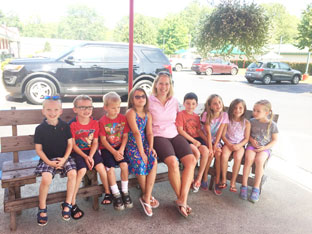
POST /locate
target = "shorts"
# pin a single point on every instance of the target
(250, 147)
(177, 146)
(43, 167)
(81, 163)
(201, 140)
(109, 160)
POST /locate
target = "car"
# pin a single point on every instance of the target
(266, 72)
(214, 66)
(184, 62)
(88, 68)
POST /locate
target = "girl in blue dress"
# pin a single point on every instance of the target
(139, 149)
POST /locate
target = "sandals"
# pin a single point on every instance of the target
(222, 185)
(195, 188)
(144, 205)
(187, 209)
(204, 185)
(233, 189)
(154, 202)
(42, 221)
(75, 210)
(66, 214)
(108, 199)
(127, 200)
(118, 203)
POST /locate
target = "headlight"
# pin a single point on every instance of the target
(13, 67)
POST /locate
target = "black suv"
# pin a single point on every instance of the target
(89, 68)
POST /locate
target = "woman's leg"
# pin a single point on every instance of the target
(226, 153)
(237, 155)
(249, 160)
(174, 173)
(260, 159)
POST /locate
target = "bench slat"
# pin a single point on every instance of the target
(18, 178)
(17, 143)
(11, 166)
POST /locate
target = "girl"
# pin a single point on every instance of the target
(263, 136)
(235, 136)
(214, 120)
(139, 149)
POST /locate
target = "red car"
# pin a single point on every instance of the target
(214, 66)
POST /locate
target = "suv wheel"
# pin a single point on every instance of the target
(266, 79)
(234, 71)
(208, 71)
(250, 80)
(178, 67)
(37, 88)
(146, 85)
(295, 79)
(198, 73)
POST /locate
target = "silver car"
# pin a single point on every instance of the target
(272, 71)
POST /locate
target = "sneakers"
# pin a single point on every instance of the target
(217, 190)
(254, 197)
(204, 185)
(127, 200)
(118, 202)
(243, 192)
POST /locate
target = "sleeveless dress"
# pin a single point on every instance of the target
(136, 165)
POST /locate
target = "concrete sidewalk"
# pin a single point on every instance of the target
(284, 207)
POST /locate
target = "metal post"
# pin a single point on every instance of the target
(130, 73)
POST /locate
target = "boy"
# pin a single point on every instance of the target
(85, 131)
(53, 144)
(114, 135)
(188, 125)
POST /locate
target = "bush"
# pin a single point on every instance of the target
(5, 62)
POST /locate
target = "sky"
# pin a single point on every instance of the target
(114, 10)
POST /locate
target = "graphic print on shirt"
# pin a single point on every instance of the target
(114, 132)
(190, 127)
(84, 138)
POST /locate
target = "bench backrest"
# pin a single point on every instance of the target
(14, 118)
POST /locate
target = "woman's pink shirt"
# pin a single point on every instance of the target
(164, 116)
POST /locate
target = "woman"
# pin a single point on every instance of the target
(168, 144)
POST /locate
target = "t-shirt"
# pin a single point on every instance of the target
(164, 117)
(53, 138)
(113, 129)
(259, 131)
(235, 132)
(215, 124)
(84, 134)
(189, 122)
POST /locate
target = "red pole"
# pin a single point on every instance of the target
(130, 73)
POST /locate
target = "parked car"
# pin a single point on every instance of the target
(214, 66)
(272, 71)
(89, 68)
(185, 62)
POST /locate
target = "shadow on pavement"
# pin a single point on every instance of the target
(283, 87)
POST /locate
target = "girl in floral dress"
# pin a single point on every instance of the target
(139, 149)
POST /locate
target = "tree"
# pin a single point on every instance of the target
(144, 30)
(282, 24)
(10, 20)
(35, 28)
(82, 23)
(234, 25)
(305, 29)
(172, 35)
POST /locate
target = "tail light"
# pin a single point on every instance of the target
(168, 67)
(259, 69)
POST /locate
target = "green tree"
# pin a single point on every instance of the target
(232, 24)
(172, 35)
(282, 25)
(144, 30)
(10, 20)
(304, 37)
(82, 23)
(35, 28)
(47, 47)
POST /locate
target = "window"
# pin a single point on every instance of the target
(89, 54)
(284, 66)
(117, 55)
(155, 56)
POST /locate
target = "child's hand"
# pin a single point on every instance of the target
(197, 143)
(254, 143)
(259, 149)
(118, 156)
(91, 162)
(144, 158)
(153, 152)
(53, 164)
(235, 147)
(60, 162)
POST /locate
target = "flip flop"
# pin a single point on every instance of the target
(156, 202)
(144, 205)
(187, 208)
(222, 185)
(233, 189)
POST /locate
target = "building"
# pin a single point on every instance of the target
(9, 42)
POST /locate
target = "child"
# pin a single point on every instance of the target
(188, 125)
(214, 120)
(85, 131)
(235, 136)
(139, 149)
(263, 136)
(114, 135)
(53, 144)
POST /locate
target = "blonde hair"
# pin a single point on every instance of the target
(232, 106)
(268, 107)
(111, 97)
(81, 98)
(159, 75)
(131, 97)
(208, 109)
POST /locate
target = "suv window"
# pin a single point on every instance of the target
(197, 60)
(255, 65)
(89, 54)
(284, 66)
(117, 54)
(272, 65)
(155, 56)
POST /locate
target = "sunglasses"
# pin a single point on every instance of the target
(163, 73)
(138, 97)
(84, 107)
(51, 97)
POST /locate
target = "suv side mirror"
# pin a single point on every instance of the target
(70, 60)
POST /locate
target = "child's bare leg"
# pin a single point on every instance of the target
(150, 180)
(43, 191)
(80, 175)
(102, 172)
(238, 155)
(124, 171)
(203, 163)
(205, 174)
(226, 153)
(111, 176)
(249, 159)
(71, 184)
(260, 159)
(195, 151)
(218, 166)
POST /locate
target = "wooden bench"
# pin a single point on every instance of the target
(16, 173)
